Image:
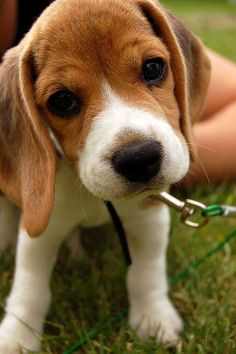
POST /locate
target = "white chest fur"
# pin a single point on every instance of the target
(73, 203)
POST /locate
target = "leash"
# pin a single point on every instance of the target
(190, 208)
(120, 232)
(187, 209)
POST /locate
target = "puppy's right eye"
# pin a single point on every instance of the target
(64, 104)
(154, 70)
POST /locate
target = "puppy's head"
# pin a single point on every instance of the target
(116, 84)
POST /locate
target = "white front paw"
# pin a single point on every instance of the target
(11, 347)
(17, 338)
(159, 320)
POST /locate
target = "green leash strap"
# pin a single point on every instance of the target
(219, 210)
(97, 329)
(213, 210)
(197, 262)
(183, 274)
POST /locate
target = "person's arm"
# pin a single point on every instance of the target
(8, 24)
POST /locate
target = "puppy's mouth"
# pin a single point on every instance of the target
(145, 192)
(136, 171)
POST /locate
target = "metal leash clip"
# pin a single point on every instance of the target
(187, 208)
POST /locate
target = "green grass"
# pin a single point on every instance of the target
(92, 290)
(213, 20)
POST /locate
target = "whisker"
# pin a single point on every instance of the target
(204, 170)
(202, 146)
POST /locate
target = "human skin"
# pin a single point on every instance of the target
(215, 133)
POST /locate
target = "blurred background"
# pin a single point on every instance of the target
(213, 20)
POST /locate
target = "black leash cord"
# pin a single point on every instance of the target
(120, 232)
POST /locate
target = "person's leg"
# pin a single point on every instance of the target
(216, 132)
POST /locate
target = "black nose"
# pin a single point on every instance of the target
(138, 162)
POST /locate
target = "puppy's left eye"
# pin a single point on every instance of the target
(154, 70)
(64, 104)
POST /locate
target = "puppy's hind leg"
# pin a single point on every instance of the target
(151, 312)
(74, 245)
(29, 300)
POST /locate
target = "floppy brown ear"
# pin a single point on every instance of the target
(27, 155)
(189, 64)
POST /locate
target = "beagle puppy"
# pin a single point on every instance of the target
(96, 103)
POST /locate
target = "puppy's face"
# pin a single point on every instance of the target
(106, 87)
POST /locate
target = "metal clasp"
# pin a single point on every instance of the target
(187, 208)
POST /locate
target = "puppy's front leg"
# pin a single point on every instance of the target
(29, 299)
(151, 312)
